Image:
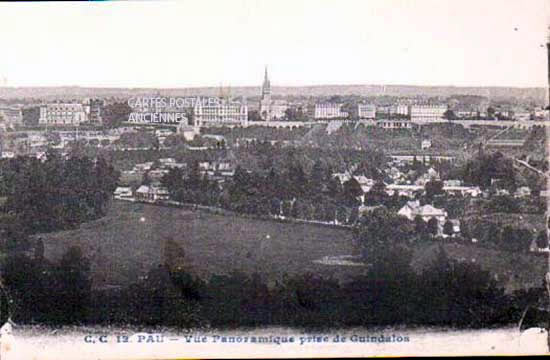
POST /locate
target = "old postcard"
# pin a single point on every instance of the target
(269, 179)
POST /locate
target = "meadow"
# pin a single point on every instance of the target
(126, 244)
(129, 242)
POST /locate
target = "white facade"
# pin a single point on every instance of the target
(71, 114)
(329, 111)
(366, 111)
(426, 212)
(224, 113)
(62, 114)
(426, 144)
(395, 124)
(426, 112)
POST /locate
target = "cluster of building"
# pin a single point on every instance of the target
(413, 112)
(152, 190)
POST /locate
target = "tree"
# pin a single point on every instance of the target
(73, 285)
(491, 112)
(351, 191)
(449, 115)
(542, 239)
(377, 194)
(174, 141)
(448, 228)
(420, 226)
(174, 255)
(514, 239)
(382, 238)
(316, 178)
(193, 180)
(116, 114)
(254, 115)
(433, 226)
(298, 182)
(458, 293)
(173, 182)
(433, 188)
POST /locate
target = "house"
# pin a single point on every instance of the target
(342, 177)
(412, 209)
(157, 174)
(143, 167)
(364, 210)
(456, 225)
(473, 191)
(163, 132)
(431, 174)
(523, 191)
(123, 192)
(403, 190)
(452, 183)
(152, 193)
(365, 183)
(166, 161)
(174, 165)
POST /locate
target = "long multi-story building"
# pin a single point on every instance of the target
(426, 112)
(329, 111)
(392, 111)
(366, 111)
(222, 113)
(70, 114)
(62, 114)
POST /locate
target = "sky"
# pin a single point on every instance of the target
(193, 43)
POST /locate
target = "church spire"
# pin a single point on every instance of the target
(266, 87)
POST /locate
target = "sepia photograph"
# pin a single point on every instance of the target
(274, 179)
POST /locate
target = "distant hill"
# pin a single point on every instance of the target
(77, 92)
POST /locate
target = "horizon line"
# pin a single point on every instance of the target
(259, 86)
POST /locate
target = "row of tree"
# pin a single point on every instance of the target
(389, 293)
(57, 193)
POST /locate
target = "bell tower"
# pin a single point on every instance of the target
(266, 86)
(265, 100)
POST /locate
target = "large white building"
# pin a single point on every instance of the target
(366, 111)
(223, 113)
(62, 114)
(329, 111)
(426, 112)
(71, 114)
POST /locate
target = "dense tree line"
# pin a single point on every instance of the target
(486, 168)
(445, 293)
(498, 235)
(48, 292)
(289, 192)
(116, 114)
(57, 193)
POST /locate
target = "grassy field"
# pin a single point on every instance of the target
(128, 242)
